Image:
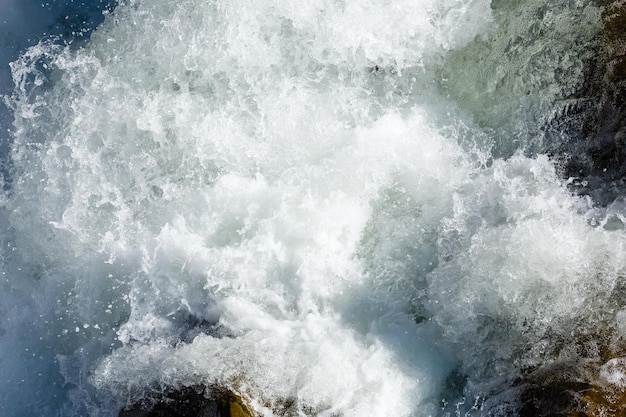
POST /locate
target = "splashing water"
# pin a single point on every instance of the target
(331, 205)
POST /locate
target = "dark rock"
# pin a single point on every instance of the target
(595, 119)
(577, 387)
(555, 390)
(190, 402)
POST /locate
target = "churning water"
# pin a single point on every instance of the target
(344, 206)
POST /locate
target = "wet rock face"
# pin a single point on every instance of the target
(596, 156)
(191, 402)
(593, 385)
(556, 390)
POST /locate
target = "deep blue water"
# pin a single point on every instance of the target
(24, 23)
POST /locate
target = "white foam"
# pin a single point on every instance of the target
(614, 373)
(227, 193)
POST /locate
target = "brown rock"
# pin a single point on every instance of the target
(191, 402)
(593, 386)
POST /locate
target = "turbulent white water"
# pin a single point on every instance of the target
(323, 203)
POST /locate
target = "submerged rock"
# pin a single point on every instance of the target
(191, 402)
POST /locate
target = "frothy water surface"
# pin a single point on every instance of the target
(317, 205)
